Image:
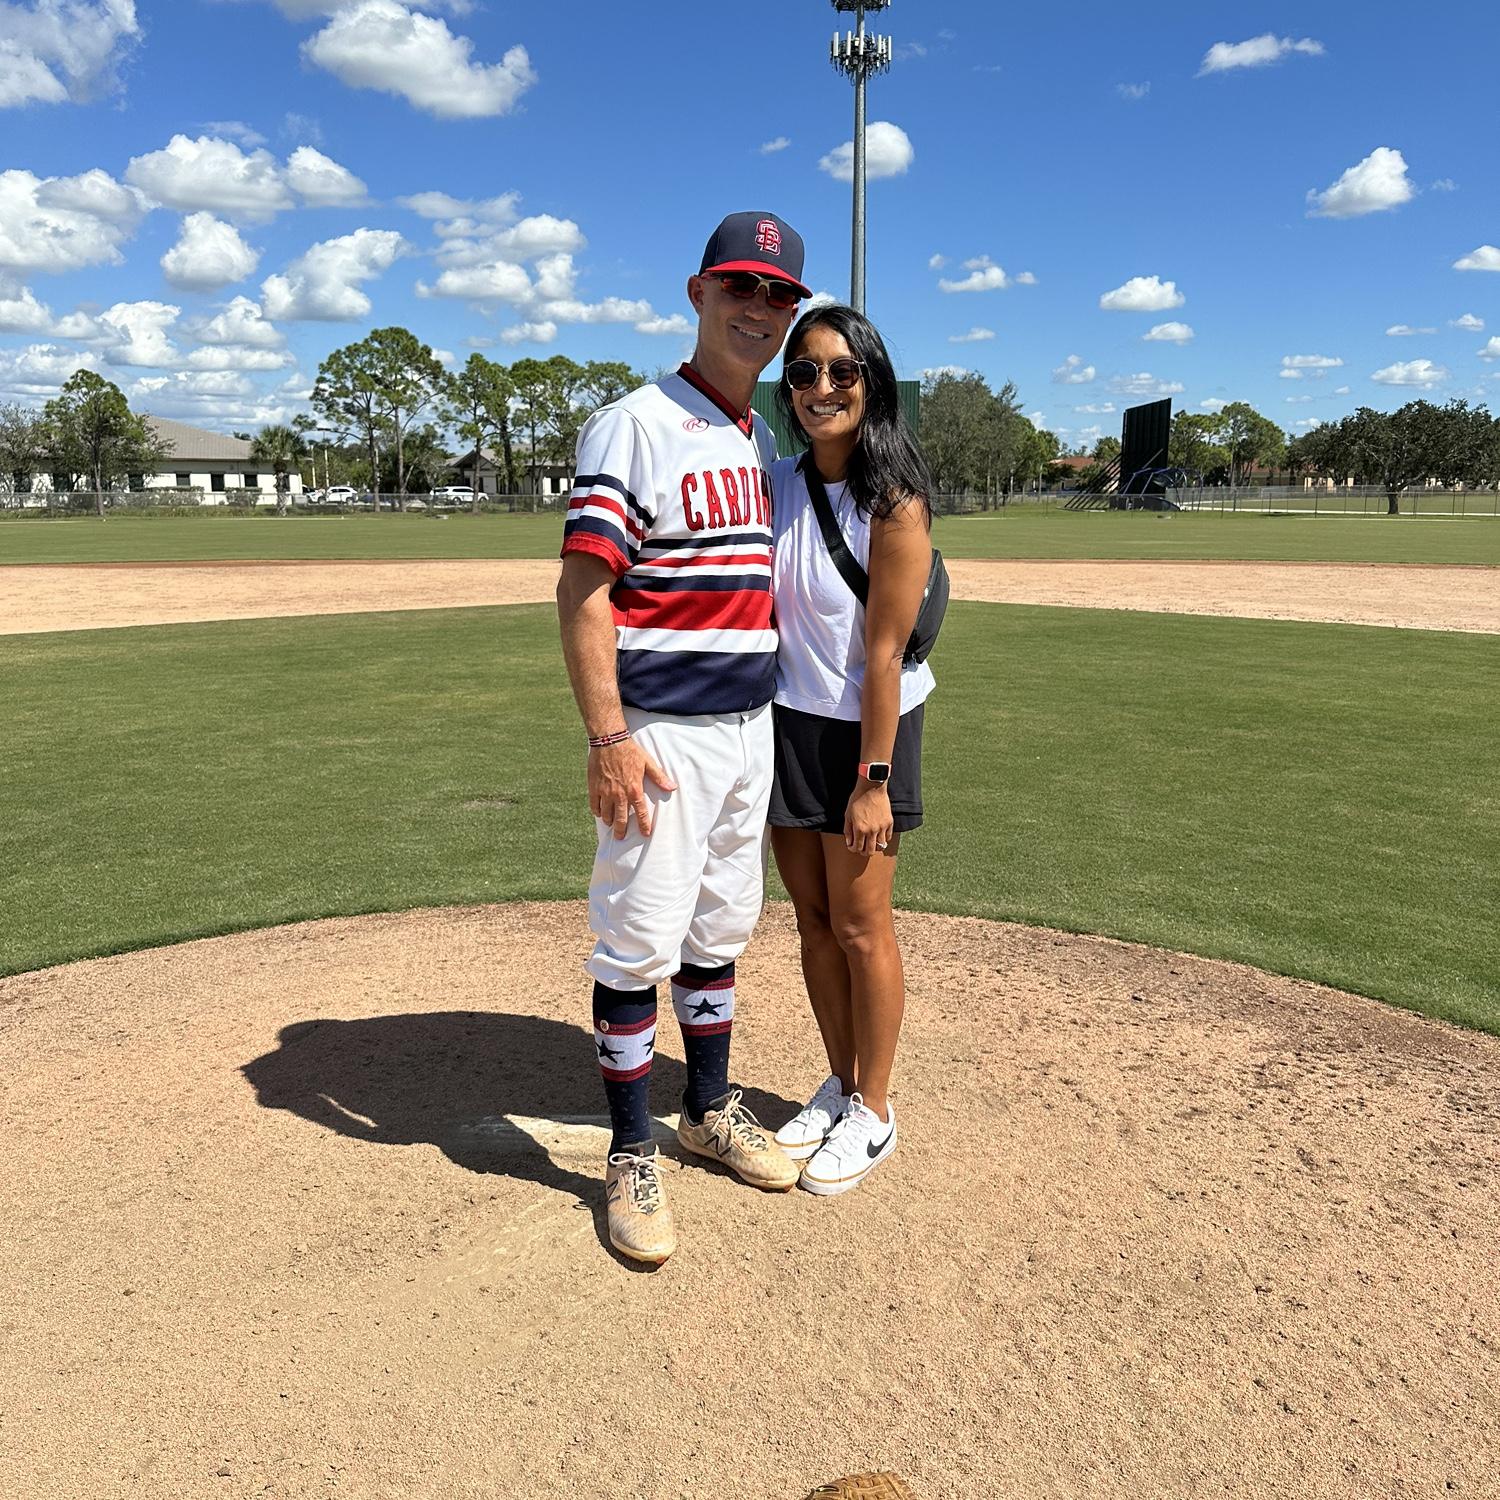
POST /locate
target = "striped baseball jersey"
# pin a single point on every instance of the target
(672, 491)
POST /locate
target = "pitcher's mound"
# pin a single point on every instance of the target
(314, 1211)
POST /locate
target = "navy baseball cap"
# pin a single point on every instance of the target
(757, 242)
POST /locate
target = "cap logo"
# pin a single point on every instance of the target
(768, 236)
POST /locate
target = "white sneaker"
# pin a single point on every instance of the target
(809, 1127)
(858, 1142)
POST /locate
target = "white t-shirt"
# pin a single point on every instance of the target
(820, 662)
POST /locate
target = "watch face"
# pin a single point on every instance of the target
(878, 771)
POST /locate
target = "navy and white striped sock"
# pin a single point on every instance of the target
(625, 1041)
(703, 999)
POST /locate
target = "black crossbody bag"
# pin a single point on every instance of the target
(934, 598)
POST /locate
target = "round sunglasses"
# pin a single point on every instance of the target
(745, 284)
(843, 374)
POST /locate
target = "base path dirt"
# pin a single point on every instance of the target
(93, 596)
(1406, 595)
(316, 1211)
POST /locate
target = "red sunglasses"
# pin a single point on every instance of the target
(743, 285)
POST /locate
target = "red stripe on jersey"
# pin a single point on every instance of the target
(741, 609)
(586, 541)
(607, 501)
(724, 559)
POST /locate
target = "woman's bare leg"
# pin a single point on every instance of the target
(858, 891)
(825, 971)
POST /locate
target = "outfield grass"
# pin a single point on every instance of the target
(1020, 532)
(1317, 800)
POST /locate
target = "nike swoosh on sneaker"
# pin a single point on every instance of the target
(875, 1150)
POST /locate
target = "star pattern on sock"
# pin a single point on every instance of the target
(609, 1053)
(706, 1008)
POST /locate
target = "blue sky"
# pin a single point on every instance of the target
(201, 199)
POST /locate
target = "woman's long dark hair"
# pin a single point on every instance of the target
(886, 467)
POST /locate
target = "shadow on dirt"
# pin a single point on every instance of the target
(457, 1080)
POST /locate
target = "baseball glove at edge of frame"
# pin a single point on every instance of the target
(882, 1486)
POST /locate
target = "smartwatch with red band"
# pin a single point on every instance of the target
(875, 771)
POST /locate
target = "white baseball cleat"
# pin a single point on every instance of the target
(809, 1127)
(859, 1141)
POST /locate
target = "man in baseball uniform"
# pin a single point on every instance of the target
(665, 607)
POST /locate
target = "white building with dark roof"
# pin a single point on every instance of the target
(213, 464)
(200, 465)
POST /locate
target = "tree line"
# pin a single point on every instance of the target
(389, 394)
(385, 408)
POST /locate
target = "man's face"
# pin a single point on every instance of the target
(746, 336)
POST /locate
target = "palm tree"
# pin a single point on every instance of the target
(281, 447)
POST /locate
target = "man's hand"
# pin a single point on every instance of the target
(617, 785)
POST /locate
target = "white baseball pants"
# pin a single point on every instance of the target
(690, 891)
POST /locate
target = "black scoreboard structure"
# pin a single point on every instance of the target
(1143, 450)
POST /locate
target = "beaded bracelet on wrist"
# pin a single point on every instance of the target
(603, 741)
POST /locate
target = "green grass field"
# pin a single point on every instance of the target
(1317, 800)
(1020, 532)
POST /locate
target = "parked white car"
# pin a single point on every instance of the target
(338, 494)
(451, 494)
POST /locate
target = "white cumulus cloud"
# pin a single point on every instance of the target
(1169, 333)
(1377, 183)
(384, 45)
(973, 336)
(1405, 330)
(1421, 373)
(1468, 322)
(435, 205)
(1258, 52)
(1310, 362)
(56, 224)
(320, 181)
(1212, 404)
(1143, 294)
(323, 284)
(241, 321)
(208, 254)
(20, 312)
(39, 369)
(664, 323)
(1095, 408)
(936, 262)
(1490, 351)
(529, 333)
(984, 276)
(137, 333)
(1132, 91)
(54, 50)
(1073, 371)
(1485, 258)
(1143, 384)
(208, 173)
(779, 144)
(888, 153)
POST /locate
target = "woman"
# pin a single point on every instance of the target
(848, 723)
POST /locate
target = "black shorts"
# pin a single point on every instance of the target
(817, 764)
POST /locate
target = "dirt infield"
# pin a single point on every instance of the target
(39, 597)
(314, 1211)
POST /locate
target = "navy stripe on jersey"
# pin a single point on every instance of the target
(604, 518)
(697, 682)
(688, 583)
(654, 545)
(582, 483)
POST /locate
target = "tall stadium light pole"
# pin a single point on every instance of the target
(858, 54)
